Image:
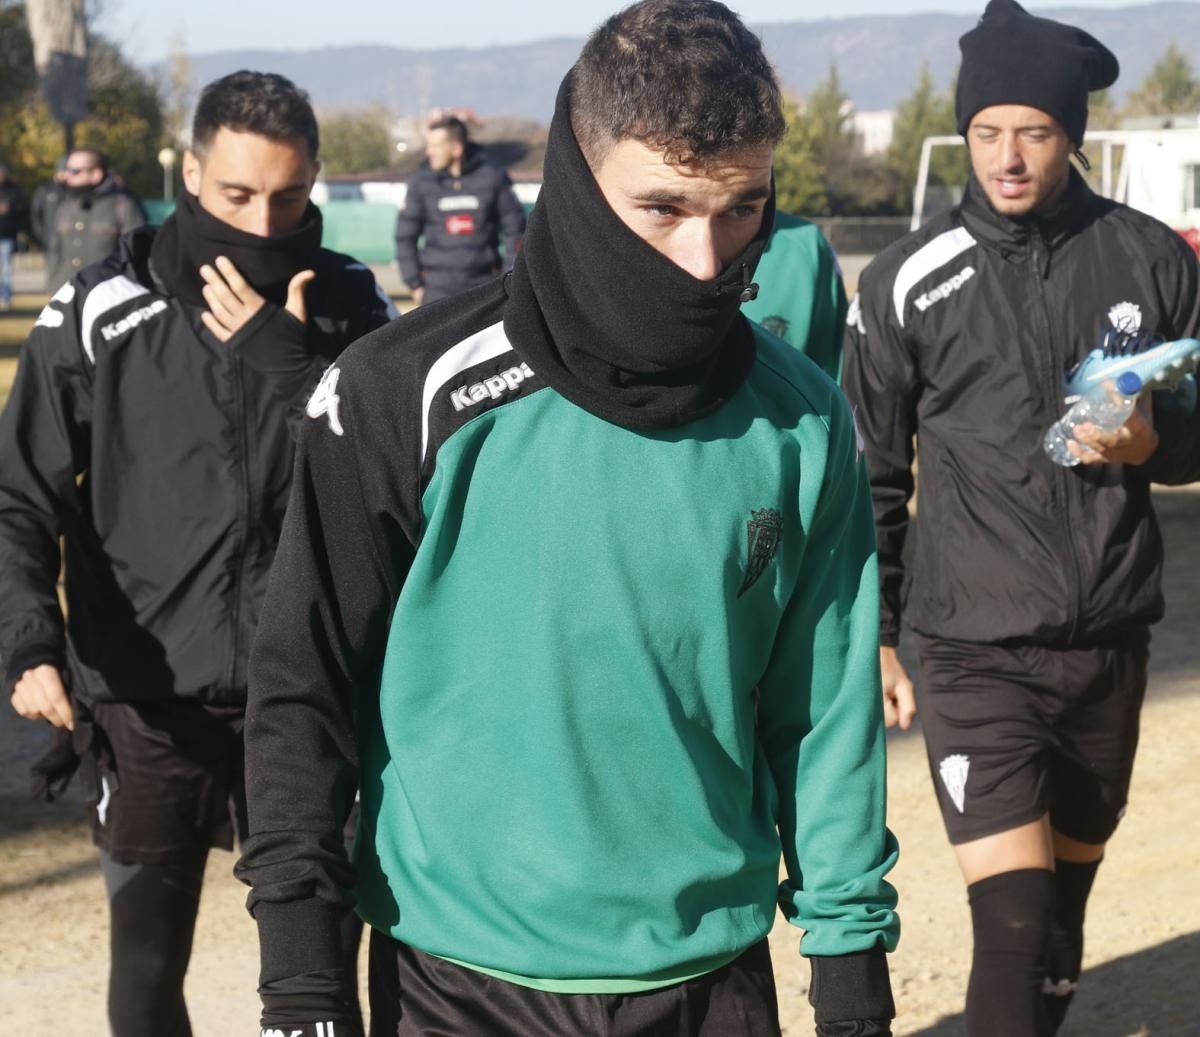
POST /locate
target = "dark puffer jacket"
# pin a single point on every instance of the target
(85, 228)
(463, 220)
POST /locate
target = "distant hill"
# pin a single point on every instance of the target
(877, 57)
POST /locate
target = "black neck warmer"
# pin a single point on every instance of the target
(613, 325)
(192, 237)
(1066, 219)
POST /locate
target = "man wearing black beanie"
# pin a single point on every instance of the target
(1033, 585)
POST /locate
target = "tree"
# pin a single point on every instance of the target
(799, 179)
(356, 142)
(18, 77)
(1169, 89)
(124, 118)
(828, 109)
(819, 166)
(924, 113)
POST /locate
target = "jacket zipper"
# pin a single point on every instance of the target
(1062, 479)
(244, 518)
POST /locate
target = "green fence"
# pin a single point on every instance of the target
(360, 229)
(363, 230)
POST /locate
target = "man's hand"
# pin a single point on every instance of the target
(418, 294)
(899, 700)
(232, 301)
(1132, 443)
(40, 695)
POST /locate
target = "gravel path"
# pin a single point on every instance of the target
(1142, 960)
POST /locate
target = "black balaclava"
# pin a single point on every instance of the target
(192, 237)
(1012, 57)
(612, 324)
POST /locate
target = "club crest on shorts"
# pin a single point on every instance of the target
(953, 770)
(763, 534)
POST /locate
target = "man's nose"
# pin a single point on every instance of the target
(697, 251)
(1011, 159)
(262, 223)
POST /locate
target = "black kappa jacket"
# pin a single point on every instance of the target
(961, 335)
(163, 458)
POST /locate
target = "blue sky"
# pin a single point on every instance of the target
(144, 28)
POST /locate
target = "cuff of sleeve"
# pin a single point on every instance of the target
(314, 1016)
(271, 339)
(38, 653)
(296, 937)
(889, 637)
(851, 987)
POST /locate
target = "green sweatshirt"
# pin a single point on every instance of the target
(602, 678)
(801, 297)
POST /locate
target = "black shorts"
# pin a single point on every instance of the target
(413, 994)
(1014, 732)
(167, 780)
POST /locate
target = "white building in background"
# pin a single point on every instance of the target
(874, 129)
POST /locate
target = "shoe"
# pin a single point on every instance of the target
(1160, 365)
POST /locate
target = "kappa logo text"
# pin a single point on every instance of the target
(132, 320)
(945, 289)
(490, 388)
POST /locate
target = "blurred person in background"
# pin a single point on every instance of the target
(44, 201)
(463, 205)
(12, 222)
(90, 216)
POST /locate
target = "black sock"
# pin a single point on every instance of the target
(152, 914)
(1072, 884)
(1011, 914)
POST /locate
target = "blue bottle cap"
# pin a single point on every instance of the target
(1129, 383)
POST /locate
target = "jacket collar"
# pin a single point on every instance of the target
(1012, 238)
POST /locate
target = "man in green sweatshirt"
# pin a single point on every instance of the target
(578, 585)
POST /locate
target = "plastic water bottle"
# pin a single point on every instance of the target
(1107, 407)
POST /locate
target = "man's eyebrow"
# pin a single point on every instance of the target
(1020, 129)
(664, 197)
(231, 185)
(661, 197)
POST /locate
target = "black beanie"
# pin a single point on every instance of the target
(1013, 57)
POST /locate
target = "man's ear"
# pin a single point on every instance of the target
(191, 172)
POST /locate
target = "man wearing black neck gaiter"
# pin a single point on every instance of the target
(578, 574)
(151, 427)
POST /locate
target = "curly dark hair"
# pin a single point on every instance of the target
(264, 103)
(682, 76)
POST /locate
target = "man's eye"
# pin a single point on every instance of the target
(662, 211)
(237, 199)
(743, 212)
